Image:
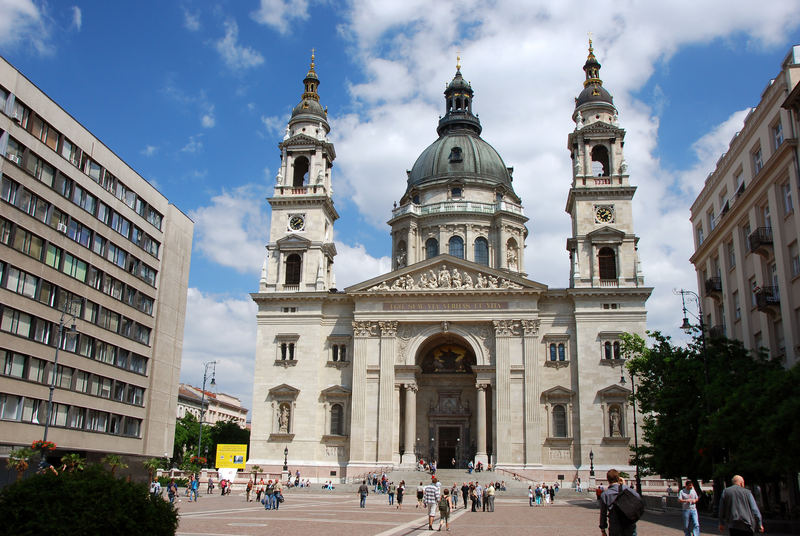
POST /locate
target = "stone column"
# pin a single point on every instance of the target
(396, 429)
(362, 331)
(409, 458)
(503, 330)
(531, 388)
(480, 455)
(386, 424)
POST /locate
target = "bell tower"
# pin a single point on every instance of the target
(300, 251)
(603, 247)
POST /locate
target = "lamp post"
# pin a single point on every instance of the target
(286, 460)
(433, 451)
(635, 427)
(66, 316)
(591, 463)
(206, 365)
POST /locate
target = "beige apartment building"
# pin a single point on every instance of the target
(218, 406)
(82, 232)
(746, 228)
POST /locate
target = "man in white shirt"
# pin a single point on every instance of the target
(688, 499)
(432, 495)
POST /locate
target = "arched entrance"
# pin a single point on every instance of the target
(445, 403)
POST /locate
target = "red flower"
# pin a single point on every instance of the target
(43, 445)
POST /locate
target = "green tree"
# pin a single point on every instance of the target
(225, 432)
(114, 461)
(152, 465)
(72, 462)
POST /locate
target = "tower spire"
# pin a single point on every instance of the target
(592, 68)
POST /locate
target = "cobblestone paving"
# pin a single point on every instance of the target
(338, 513)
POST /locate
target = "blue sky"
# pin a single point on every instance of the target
(195, 95)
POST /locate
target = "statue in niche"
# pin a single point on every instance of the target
(401, 258)
(286, 133)
(615, 422)
(578, 166)
(615, 119)
(623, 167)
(283, 419)
(320, 177)
(279, 177)
(511, 259)
(579, 121)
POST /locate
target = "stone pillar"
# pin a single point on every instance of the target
(396, 429)
(503, 330)
(409, 457)
(480, 455)
(531, 389)
(386, 424)
(362, 331)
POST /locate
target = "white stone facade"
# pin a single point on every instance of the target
(455, 354)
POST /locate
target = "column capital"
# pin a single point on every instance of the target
(388, 329)
(411, 387)
(364, 328)
(503, 328)
(530, 327)
(481, 386)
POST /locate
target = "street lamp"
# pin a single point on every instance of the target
(213, 365)
(688, 328)
(286, 460)
(635, 427)
(66, 316)
(591, 463)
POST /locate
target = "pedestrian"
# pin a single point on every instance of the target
(473, 498)
(195, 483)
(530, 496)
(738, 510)
(277, 495)
(611, 516)
(363, 491)
(445, 505)
(420, 494)
(470, 467)
(688, 499)
(479, 494)
(269, 491)
(155, 488)
(210, 487)
(401, 490)
(552, 492)
(249, 490)
(454, 495)
(490, 497)
(392, 491)
(431, 495)
(172, 491)
(260, 491)
(465, 494)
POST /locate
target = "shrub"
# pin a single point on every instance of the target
(84, 502)
(164, 480)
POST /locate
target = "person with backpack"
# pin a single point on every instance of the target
(620, 507)
(445, 505)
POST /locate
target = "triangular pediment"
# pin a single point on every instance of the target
(601, 127)
(606, 233)
(558, 392)
(335, 390)
(284, 391)
(614, 391)
(293, 241)
(445, 273)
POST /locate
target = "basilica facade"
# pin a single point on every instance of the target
(455, 355)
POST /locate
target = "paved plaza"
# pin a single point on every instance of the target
(337, 512)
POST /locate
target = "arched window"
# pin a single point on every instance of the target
(300, 176)
(607, 350)
(456, 247)
(607, 263)
(559, 421)
(482, 251)
(562, 356)
(337, 419)
(616, 350)
(431, 248)
(600, 165)
(552, 351)
(293, 263)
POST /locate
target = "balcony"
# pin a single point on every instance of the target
(457, 206)
(760, 241)
(714, 288)
(768, 299)
(716, 332)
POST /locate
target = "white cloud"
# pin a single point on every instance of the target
(22, 23)
(275, 124)
(279, 13)
(235, 56)
(524, 62)
(353, 265)
(149, 150)
(221, 329)
(194, 144)
(208, 120)
(191, 21)
(77, 18)
(233, 229)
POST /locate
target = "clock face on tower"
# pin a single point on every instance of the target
(297, 222)
(604, 214)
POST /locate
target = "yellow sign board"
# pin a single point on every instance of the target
(231, 456)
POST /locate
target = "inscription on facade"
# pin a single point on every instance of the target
(444, 306)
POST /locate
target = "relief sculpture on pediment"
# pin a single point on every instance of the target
(445, 279)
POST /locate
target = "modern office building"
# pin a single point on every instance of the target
(218, 406)
(746, 226)
(94, 266)
(454, 355)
